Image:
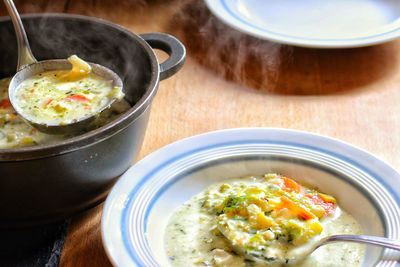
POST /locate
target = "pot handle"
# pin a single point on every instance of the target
(173, 47)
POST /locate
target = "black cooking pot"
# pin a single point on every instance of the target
(46, 183)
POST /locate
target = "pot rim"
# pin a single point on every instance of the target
(95, 136)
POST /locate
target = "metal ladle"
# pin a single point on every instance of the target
(28, 66)
(306, 250)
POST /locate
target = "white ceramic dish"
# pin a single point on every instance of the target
(313, 23)
(139, 206)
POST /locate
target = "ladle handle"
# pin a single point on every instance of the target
(372, 240)
(25, 56)
(173, 47)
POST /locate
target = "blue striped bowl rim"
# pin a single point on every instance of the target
(157, 172)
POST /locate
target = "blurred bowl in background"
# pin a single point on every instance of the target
(313, 23)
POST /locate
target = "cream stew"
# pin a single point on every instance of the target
(271, 212)
(61, 97)
(15, 132)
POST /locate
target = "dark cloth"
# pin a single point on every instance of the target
(33, 247)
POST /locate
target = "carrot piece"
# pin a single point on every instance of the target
(77, 97)
(48, 102)
(328, 206)
(297, 209)
(289, 185)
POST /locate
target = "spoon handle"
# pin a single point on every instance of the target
(372, 240)
(25, 55)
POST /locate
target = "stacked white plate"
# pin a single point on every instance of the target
(313, 23)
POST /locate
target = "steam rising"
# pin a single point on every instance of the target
(246, 60)
(57, 37)
(236, 56)
(52, 37)
(273, 67)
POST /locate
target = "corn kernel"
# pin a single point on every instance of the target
(263, 222)
(315, 227)
(59, 108)
(327, 198)
(27, 140)
(318, 211)
(253, 190)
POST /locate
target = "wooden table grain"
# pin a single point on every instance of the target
(233, 80)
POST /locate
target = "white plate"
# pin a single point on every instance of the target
(139, 206)
(313, 23)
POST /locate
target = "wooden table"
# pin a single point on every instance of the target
(232, 80)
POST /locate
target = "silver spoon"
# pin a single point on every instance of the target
(364, 239)
(28, 66)
(304, 251)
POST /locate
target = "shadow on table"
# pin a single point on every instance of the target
(273, 67)
(107, 8)
(33, 247)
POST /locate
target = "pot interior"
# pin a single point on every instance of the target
(53, 36)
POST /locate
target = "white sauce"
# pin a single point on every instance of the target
(192, 239)
(15, 132)
(61, 97)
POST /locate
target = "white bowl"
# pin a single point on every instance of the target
(139, 206)
(313, 23)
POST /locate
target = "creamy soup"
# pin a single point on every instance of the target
(15, 132)
(271, 216)
(61, 97)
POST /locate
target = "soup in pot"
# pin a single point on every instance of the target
(15, 132)
(64, 96)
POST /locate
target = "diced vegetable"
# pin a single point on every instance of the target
(257, 218)
(48, 102)
(59, 108)
(79, 69)
(276, 209)
(328, 204)
(27, 140)
(287, 184)
(77, 97)
(327, 198)
(297, 208)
